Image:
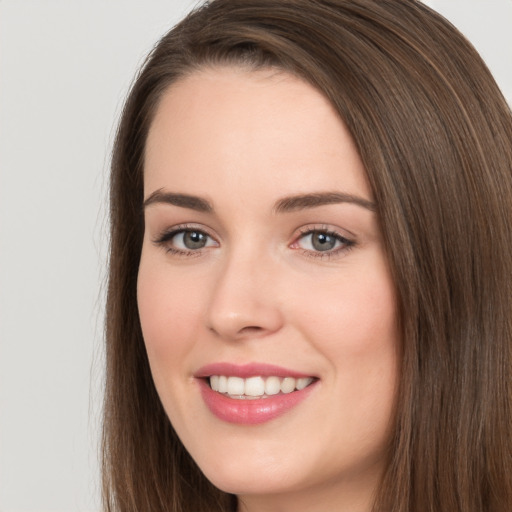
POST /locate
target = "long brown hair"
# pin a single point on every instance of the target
(435, 135)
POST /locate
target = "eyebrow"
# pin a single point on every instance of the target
(304, 201)
(183, 200)
(284, 205)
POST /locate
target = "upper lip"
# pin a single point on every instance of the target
(247, 370)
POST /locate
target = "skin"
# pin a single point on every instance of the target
(259, 291)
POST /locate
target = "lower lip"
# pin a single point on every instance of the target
(251, 411)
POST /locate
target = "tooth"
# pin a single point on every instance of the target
(236, 386)
(272, 386)
(254, 386)
(288, 385)
(214, 382)
(223, 384)
(303, 382)
(257, 386)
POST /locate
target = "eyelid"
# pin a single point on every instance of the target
(324, 228)
(165, 236)
(348, 242)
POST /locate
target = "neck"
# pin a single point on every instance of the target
(353, 496)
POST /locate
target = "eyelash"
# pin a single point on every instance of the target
(346, 244)
(165, 238)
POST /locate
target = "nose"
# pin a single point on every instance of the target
(243, 303)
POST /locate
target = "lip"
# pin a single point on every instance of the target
(250, 411)
(247, 370)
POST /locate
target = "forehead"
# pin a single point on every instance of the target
(242, 127)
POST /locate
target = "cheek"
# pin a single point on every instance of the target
(354, 315)
(169, 313)
(353, 323)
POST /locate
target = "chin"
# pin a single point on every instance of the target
(250, 484)
(251, 475)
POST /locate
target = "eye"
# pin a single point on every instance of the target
(322, 242)
(191, 240)
(319, 241)
(185, 241)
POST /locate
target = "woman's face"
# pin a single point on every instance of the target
(263, 276)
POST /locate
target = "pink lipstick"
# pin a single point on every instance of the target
(253, 393)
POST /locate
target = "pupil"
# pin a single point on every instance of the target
(323, 242)
(194, 240)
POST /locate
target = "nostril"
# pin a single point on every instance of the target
(244, 332)
(250, 329)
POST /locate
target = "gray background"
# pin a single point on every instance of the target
(65, 67)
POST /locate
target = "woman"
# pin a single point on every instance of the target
(309, 301)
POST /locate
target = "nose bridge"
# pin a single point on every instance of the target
(242, 303)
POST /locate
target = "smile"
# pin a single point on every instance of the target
(254, 393)
(257, 387)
